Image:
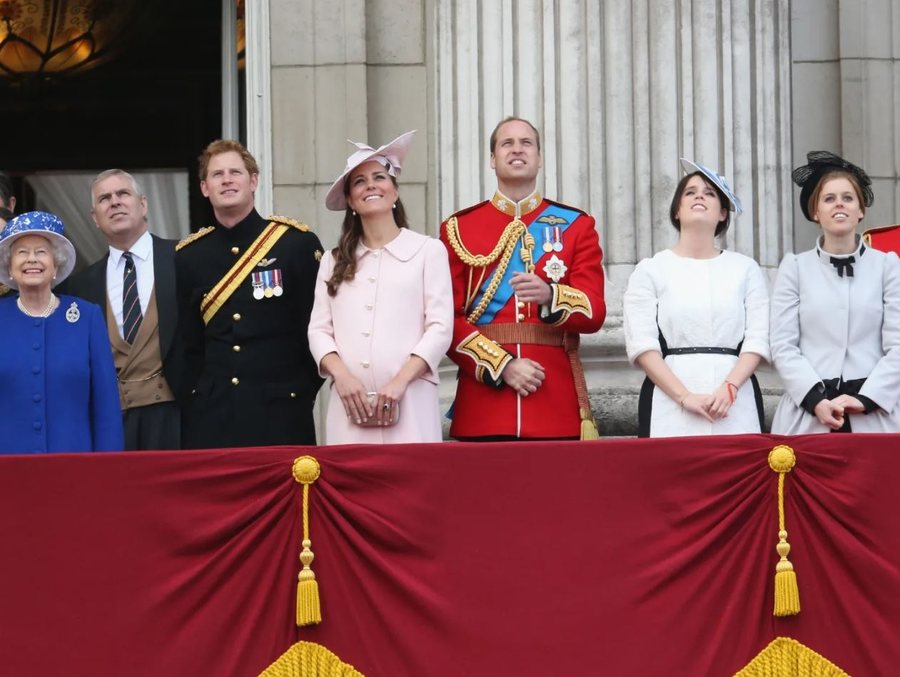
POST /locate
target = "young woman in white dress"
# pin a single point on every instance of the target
(836, 313)
(697, 321)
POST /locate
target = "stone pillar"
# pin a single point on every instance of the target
(620, 91)
(869, 82)
(845, 78)
(347, 69)
(319, 98)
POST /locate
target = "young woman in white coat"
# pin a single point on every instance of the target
(697, 321)
(836, 313)
(383, 312)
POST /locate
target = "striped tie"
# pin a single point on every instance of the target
(131, 304)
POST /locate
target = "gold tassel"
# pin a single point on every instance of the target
(786, 656)
(308, 610)
(588, 426)
(312, 660)
(306, 470)
(787, 592)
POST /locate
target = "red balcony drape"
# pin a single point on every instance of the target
(620, 557)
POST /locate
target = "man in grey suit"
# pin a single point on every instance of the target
(135, 284)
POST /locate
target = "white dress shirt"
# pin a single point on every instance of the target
(142, 254)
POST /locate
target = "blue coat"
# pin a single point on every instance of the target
(57, 381)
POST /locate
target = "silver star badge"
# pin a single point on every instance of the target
(555, 269)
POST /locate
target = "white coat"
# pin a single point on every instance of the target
(824, 326)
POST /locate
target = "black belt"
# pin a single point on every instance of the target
(702, 349)
(838, 386)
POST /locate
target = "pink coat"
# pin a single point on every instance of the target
(399, 304)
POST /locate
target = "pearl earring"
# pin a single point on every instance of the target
(354, 212)
(395, 205)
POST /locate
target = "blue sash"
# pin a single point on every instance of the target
(562, 218)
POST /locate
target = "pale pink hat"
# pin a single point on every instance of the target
(390, 155)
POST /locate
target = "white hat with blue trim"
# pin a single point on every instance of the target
(717, 179)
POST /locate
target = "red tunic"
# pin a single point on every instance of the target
(485, 406)
(884, 238)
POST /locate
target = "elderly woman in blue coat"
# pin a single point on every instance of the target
(57, 379)
(835, 329)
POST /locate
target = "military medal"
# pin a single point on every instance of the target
(257, 282)
(73, 314)
(552, 239)
(557, 239)
(278, 289)
(548, 245)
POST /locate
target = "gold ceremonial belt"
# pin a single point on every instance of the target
(536, 334)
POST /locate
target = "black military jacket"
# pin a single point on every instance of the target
(254, 380)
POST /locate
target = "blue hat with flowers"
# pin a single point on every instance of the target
(717, 179)
(44, 224)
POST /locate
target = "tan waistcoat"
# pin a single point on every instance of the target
(139, 365)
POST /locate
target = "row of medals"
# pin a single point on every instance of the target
(266, 284)
(552, 239)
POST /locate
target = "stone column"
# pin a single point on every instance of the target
(347, 69)
(319, 98)
(844, 86)
(621, 90)
(868, 33)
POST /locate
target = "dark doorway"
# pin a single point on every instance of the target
(156, 104)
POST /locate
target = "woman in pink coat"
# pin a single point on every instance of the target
(383, 314)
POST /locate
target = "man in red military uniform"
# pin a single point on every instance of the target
(527, 281)
(883, 238)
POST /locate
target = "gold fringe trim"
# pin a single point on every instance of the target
(306, 470)
(193, 237)
(588, 425)
(787, 593)
(288, 221)
(786, 657)
(307, 659)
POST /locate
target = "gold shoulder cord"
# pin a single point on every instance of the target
(503, 250)
(477, 260)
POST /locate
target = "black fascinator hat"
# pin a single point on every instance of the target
(820, 163)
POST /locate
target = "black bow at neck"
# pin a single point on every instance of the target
(843, 263)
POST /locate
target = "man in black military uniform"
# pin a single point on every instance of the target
(245, 292)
